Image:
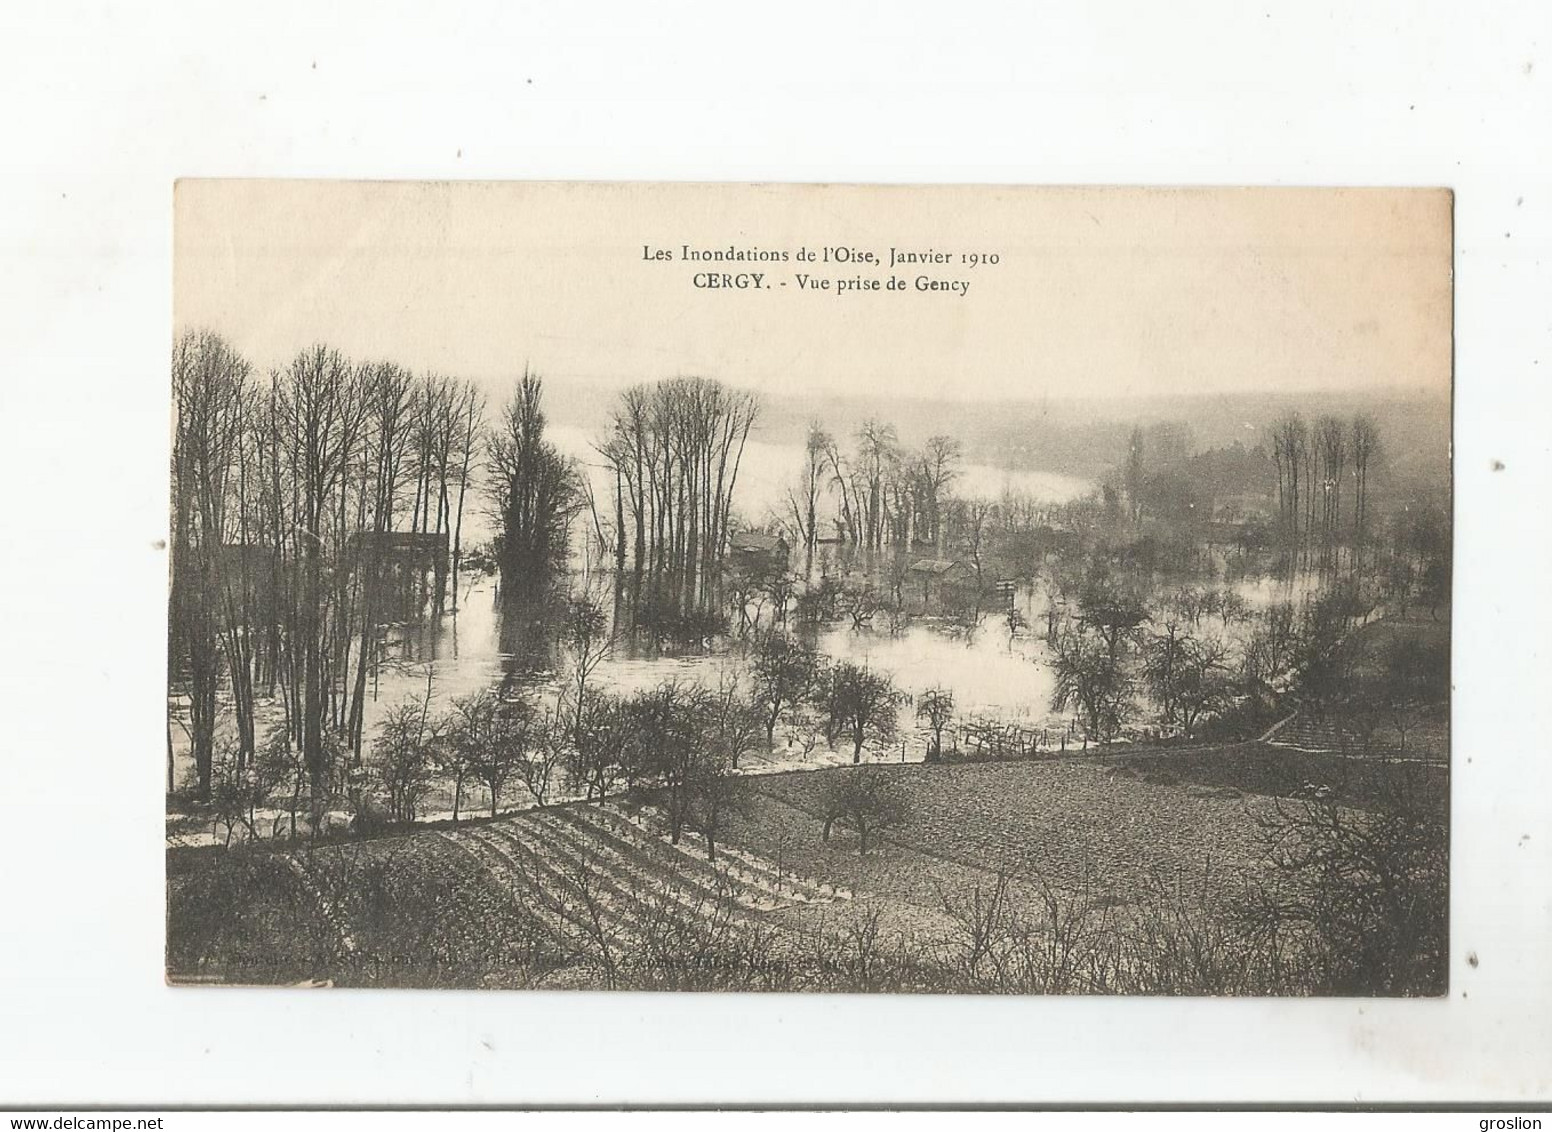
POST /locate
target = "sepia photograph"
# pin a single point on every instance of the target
(833, 588)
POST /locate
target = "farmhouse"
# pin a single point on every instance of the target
(1241, 507)
(421, 548)
(937, 572)
(753, 552)
(400, 562)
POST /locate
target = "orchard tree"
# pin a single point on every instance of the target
(1271, 651)
(671, 741)
(711, 795)
(736, 718)
(1201, 684)
(864, 706)
(469, 725)
(608, 751)
(405, 757)
(505, 748)
(865, 799)
(1091, 680)
(936, 706)
(588, 641)
(784, 672)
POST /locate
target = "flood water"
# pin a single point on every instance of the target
(468, 650)
(987, 673)
(462, 652)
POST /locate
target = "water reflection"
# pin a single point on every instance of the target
(490, 644)
(484, 645)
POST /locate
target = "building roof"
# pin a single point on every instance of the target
(403, 540)
(754, 540)
(933, 566)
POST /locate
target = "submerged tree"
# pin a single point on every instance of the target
(536, 495)
(322, 418)
(675, 449)
(1290, 451)
(1331, 444)
(290, 503)
(804, 503)
(1365, 447)
(211, 394)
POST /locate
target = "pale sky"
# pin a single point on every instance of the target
(1098, 292)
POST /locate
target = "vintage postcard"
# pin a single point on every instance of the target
(810, 588)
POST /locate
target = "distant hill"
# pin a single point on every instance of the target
(1083, 437)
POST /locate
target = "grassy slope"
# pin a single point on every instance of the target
(1060, 819)
(1264, 769)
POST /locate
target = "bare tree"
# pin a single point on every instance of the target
(210, 391)
(588, 640)
(511, 742)
(321, 416)
(864, 706)
(1331, 443)
(736, 718)
(488, 740)
(1136, 475)
(783, 673)
(936, 706)
(712, 796)
(1092, 679)
(876, 442)
(676, 448)
(404, 756)
(1365, 445)
(805, 503)
(1290, 447)
(864, 799)
(940, 461)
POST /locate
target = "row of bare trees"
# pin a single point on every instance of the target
(884, 493)
(674, 449)
(1314, 464)
(284, 490)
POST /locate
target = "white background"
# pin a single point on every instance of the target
(107, 103)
